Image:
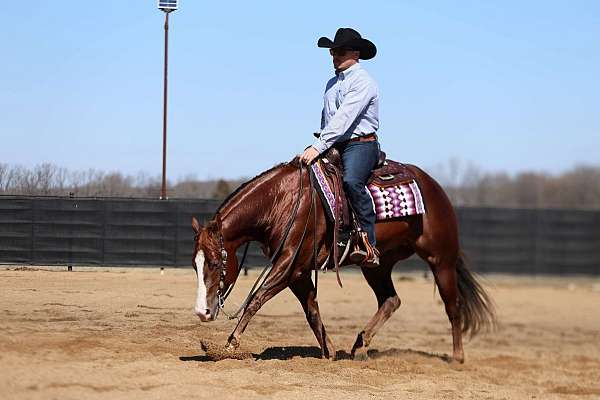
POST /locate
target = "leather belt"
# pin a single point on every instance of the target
(371, 137)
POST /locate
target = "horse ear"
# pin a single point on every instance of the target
(196, 225)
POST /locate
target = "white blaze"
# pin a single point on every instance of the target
(201, 305)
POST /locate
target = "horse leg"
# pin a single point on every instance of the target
(261, 297)
(446, 280)
(380, 280)
(305, 291)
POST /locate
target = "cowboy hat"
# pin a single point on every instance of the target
(349, 38)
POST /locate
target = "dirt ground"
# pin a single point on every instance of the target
(131, 333)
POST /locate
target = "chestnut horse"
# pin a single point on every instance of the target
(278, 209)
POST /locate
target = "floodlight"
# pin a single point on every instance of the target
(167, 5)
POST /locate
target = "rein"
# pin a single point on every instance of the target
(313, 205)
(262, 277)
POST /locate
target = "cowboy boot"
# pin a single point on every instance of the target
(372, 260)
(363, 253)
(357, 254)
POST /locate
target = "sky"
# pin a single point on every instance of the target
(506, 85)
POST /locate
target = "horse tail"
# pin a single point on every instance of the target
(476, 306)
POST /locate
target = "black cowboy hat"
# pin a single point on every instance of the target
(349, 38)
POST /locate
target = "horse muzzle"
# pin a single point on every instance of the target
(205, 315)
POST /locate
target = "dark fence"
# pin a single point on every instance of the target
(80, 231)
(75, 231)
(531, 241)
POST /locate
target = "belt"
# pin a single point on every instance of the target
(371, 137)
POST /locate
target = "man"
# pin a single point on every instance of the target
(349, 121)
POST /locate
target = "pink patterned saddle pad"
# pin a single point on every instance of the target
(396, 201)
(389, 201)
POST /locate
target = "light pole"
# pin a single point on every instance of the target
(167, 6)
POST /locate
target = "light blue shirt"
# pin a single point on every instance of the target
(351, 107)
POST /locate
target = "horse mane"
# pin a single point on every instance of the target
(294, 162)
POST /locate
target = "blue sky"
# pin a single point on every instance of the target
(506, 85)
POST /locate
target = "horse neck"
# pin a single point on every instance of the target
(253, 211)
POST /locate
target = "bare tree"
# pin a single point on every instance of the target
(4, 170)
(43, 177)
(528, 189)
(222, 190)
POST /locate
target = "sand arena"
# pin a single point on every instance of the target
(131, 333)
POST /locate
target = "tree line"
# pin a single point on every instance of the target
(466, 185)
(50, 180)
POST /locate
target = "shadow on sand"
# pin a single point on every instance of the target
(278, 353)
(285, 353)
(403, 353)
(289, 352)
(202, 358)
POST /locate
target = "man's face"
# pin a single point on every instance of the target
(344, 58)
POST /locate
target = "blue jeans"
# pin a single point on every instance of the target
(359, 159)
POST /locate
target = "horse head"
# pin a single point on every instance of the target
(210, 263)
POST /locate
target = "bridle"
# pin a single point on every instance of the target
(221, 297)
(223, 271)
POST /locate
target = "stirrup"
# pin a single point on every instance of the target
(373, 261)
(357, 256)
(365, 255)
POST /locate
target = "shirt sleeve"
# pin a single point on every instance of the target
(356, 100)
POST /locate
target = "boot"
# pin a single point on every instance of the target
(363, 253)
(371, 261)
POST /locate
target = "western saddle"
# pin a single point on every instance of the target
(386, 173)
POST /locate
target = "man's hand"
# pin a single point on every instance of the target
(309, 155)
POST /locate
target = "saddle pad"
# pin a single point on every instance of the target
(396, 201)
(389, 202)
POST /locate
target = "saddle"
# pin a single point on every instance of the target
(386, 174)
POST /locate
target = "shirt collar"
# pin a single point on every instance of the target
(344, 74)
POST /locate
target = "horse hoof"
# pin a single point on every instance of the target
(232, 343)
(230, 347)
(329, 356)
(359, 350)
(360, 354)
(457, 360)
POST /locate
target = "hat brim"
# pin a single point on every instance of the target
(366, 48)
(325, 43)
